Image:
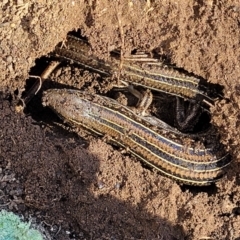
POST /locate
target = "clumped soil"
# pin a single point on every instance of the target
(78, 186)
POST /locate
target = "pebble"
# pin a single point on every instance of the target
(117, 186)
(100, 184)
(9, 59)
(13, 25)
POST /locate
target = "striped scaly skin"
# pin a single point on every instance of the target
(140, 70)
(190, 159)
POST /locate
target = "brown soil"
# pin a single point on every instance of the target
(83, 188)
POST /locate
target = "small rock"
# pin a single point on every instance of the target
(9, 59)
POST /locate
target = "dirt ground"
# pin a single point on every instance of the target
(79, 187)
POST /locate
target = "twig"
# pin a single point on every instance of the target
(36, 86)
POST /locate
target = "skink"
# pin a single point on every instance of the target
(191, 159)
(140, 70)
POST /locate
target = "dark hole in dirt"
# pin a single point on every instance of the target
(164, 106)
(236, 210)
(165, 112)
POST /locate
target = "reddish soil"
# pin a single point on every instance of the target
(78, 186)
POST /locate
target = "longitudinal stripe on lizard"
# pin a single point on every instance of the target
(152, 80)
